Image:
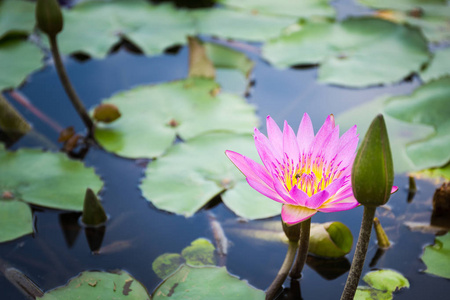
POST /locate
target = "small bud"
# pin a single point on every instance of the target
(106, 113)
(93, 212)
(49, 17)
(382, 238)
(292, 231)
(373, 170)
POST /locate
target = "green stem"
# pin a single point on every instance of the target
(360, 254)
(283, 272)
(76, 102)
(302, 250)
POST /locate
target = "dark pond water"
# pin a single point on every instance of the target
(139, 233)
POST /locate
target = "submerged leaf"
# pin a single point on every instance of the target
(205, 283)
(190, 174)
(437, 257)
(46, 179)
(101, 286)
(367, 293)
(152, 116)
(199, 253)
(166, 264)
(352, 52)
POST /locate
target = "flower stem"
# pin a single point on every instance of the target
(360, 253)
(76, 102)
(283, 272)
(302, 250)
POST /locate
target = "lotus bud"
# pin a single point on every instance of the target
(332, 239)
(93, 212)
(382, 238)
(291, 231)
(373, 170)
(106, 113)
(49, 17)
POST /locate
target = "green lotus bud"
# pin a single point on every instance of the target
(373, 170)
(49, 17)
(93, 212)
(332, 239)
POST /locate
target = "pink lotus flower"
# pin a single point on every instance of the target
(305, 173)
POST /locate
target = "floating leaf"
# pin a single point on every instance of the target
(331, 239)
(16, 17)
(439, 66)
(367, 293)
(153, 115)
(20, 58)
(386, 280)
(192, 173)
(46, 179)
(293, 8)
(199, 253)
(438, 174)
(95, 27)
(15, 220)
(353, 52)
(400, 133)
(205, 283)
(240, 25)
(429, 105)
(431, 16)
(101, 286)
(437, 257)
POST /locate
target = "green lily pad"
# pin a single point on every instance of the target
(199, 253)
(368, 293)
(190, 174)
(46, 179)
(437, 257)
(428, 105)
(386, 280)
(331, 239)
(15, 220)
(442, 173)
(16, 17)
(240, 25)
(152, 116)
(293, 8)
(205, 283)
(401, 134)
(13, 51)
(439, 66)
(432, 17)
(352, 53)
(101, 286)
(95, 27)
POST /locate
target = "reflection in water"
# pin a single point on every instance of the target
(380, 252)
(293, 292)
(328, 268)
(94, 237)
(70, 227)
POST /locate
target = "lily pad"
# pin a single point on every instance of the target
(432, 17)
(46, 179)
(428, 105)
(16, 17)
(240, 25)
(368, 293)
(101, 286)
(331, 239)
(13, 51)
(190, 174)
(401, 134)
(199, 253)
(439, 66)
(15, 220)
(152, 116)
(352, 53)
(293, 8)
(95, 27)
(437, 257)
(386, 280)
(205, 283)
